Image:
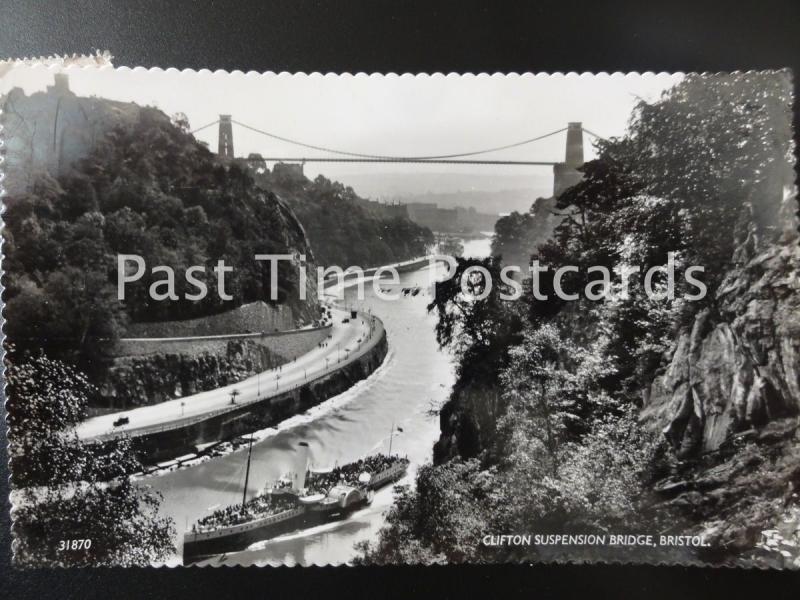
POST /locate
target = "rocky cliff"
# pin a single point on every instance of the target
(139, 380)
(737, 368)
(252, 317)
(467, 423)
(728, 402)
(142, 371)
(47, 132)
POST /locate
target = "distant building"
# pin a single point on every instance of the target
(566, 174)
(292, 171)
(383, 210)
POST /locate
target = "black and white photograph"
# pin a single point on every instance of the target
(304, 319)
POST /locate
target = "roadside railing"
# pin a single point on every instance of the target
(373, 335)
(228, 336)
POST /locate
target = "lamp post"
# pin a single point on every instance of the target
(182, 405)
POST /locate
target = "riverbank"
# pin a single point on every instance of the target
(264, 413)
(217, 450)
(356, 347)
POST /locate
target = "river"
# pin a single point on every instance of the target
(479, 247)
(396, 402)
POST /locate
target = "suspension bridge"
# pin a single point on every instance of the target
(565, 171)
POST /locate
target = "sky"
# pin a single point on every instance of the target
(387, 115)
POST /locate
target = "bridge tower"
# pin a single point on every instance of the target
(225, 147)
(566, 174)
(574, 157)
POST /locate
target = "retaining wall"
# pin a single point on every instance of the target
(149, 371)
(266, 413)
(248, 318)
(287, 344)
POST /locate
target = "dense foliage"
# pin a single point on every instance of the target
(516, 234)
(66, 489)
(148, 189)
(340, 230)
(541, 431)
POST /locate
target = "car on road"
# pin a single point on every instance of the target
(121, 421)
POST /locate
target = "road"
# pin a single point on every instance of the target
(347, 342)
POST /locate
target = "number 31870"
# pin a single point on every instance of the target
(84, 544)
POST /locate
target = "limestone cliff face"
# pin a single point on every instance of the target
(467, 423)
(140, 380)
(247, 318)
(49, 131)
(728, 402)
(739, 369)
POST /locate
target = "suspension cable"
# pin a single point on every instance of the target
(388, 157)
(193, 131)
(594, 135)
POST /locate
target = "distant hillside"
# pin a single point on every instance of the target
(487, 202)
(341, 229)
(385, 185)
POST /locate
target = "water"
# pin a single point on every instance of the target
(479, 247)
(415, 378)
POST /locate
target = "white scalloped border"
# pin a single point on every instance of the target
(103, 60)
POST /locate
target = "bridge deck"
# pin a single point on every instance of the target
(328, 159)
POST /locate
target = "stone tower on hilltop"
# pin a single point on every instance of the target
(48, 131)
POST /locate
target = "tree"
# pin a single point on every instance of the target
(66, 489)
(442, 521)
(474, 327)
(691, 163)
(552, 386)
